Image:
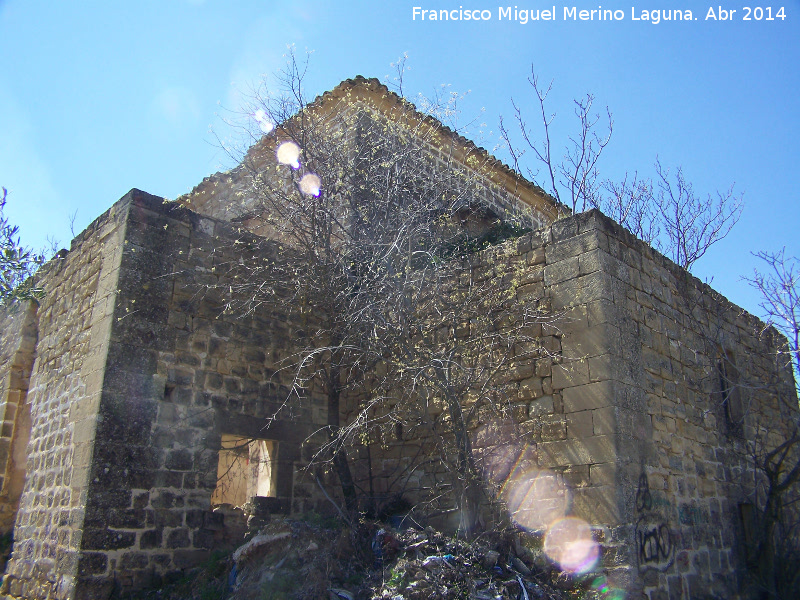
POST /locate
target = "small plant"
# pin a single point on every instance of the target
(398, 577)
(280, 587)
(324, 521)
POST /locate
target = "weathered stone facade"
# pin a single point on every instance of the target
(439, 152)
(127, 420)
(16, 357)
(628, 416)
(124, 379)
(634, 416)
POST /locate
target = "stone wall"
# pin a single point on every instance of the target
(138, 375)
(17, 347)
(641, 416)
(656, 446)
(635, 409)
(74, 321)
(361, 121)
(651, 343)
(181, 373)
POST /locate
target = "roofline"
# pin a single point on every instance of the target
(372, 91)
(387, 101)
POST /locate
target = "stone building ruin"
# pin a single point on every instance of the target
(126, 395)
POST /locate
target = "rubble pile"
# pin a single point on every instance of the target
(431, 565)
(303, 560)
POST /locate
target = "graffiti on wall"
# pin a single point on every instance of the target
(655, 542)
(644, 499)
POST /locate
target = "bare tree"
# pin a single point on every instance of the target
(666, 214)
(777, 556)
(572, 181)
(779, 287)
(691, 225)
(379, 220)
(630, 203)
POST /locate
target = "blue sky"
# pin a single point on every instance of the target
(99, 97)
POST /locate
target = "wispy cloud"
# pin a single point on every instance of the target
(26, 175)
(264, 47)
(177, 105)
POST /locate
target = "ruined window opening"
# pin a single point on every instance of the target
(246, 468)
(731, 398)
(747, 518)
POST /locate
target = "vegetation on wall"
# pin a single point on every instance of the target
(17, 263)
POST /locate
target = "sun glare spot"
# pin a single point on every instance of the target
(310, 184)
(605, 591)
(263, 122)
(536, 498)
(289, 154)
(569, 543)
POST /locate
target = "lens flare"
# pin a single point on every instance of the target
(499, 462)
(536, 498)
(501, 452)
(605, 591)
(310, 184)
(569, 543)
(289, 154)
(263, 122)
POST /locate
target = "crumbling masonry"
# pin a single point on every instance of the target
(119, 387)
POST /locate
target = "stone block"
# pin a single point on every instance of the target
(530, 388)
(582, 290)
(604, 367)
(561, 271)
(84, 430)
(126, 518)
(570, 321)
(178, 538)
(107, 539)
(553, 428)
(595, 260)
(589, 396)
(530, 291)
(521, 371)
(597, 505)
(89, 588)
(570, 374)
(604, 420)
(572, 247)
(541, 406)
(92, 563)
(579, 424)
(603, 474)
(150, 539)
(587, 451)
(563, 229)
(536, 256)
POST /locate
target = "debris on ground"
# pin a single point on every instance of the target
(292, 559)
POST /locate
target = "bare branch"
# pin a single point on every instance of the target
(779, 288)
(690, 224)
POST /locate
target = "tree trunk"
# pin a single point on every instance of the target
(341, 463)
(471, 485)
